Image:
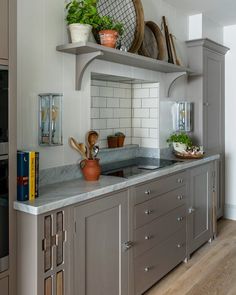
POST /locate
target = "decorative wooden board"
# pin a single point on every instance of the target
(189, 157)
(130, 13)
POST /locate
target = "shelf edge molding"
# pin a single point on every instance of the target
(86, 52)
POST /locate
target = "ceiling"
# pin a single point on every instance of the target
(220, 11)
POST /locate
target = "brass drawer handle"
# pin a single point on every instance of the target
(148, 212)
(191, 210)
(148, 192)
(147, 237)
(180, 197)
(180, 219)
(179, 246)
(128, 245)
(147, 269)
(180, 180)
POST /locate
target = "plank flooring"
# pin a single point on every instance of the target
(210, 271)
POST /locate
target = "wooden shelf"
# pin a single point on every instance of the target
(87, 52)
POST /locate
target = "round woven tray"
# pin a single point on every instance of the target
(130, 13)
(188, 157)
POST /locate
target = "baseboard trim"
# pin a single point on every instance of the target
(230, 211)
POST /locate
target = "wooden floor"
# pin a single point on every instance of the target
(210, 271)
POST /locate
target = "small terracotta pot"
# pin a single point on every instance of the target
(108, 38)
(112, 142)
(120, 141)
(91, 169)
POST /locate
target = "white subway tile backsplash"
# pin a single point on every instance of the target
(150, 85)
(113, 123)
(140, 93)
(150, 103)
(122, 113)
(136, 140)
(95, 91)
(106, 91)
(99, 102)
(136, 103)
(135, 86)
(136, 122)
(99, 124)
(106, 113)
(128, 132)
(113, 102)
(140, 132)
(154, 92)
(95, 114)
(149, 142)
(141, 113)
(154, 113)
(99, 83)
(104, 133)
(153, 133)
(113, 84)
(149, 123)
(120, 92)
(125, 103)
(125, 122)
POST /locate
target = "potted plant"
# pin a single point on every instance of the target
(181, 141)
(109, 31)
(120, 139)
(112, 141)
(81, 17)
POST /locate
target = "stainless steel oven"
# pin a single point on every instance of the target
(4, 213)
(3, 110)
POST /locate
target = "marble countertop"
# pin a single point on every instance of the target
(55, 196)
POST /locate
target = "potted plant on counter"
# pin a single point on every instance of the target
(181, 141)
(81, 17)
(109, 31)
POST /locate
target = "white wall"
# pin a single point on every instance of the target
(230, 122)
(41, 27)
(195, 26)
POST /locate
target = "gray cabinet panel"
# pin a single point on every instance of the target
(4, 286)
(160, 186)
(199, 225)
(3, 29)
(101, 260)
(157, 262)
(148, 211)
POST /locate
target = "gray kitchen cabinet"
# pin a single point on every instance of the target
(199, 225)
(101, 246)
(4, 289)
(3, 30)
(207, 91)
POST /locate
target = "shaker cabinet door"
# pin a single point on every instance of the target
(200, 211)
(3, 30)
(4, 286)
(100, 255)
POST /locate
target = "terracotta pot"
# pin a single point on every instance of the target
(120, 141)
(91, 169)
(112, 142)
(108, 38)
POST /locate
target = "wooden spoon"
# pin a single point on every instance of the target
(92, 138)
(75, 145)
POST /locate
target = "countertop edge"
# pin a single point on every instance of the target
(82, 197)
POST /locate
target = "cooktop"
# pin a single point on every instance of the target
(132, 167)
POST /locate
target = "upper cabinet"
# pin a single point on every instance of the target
(3, 31)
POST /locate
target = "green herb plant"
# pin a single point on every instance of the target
(82, 12)
(107, 23)
(181, 138)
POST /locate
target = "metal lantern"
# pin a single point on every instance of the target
(50, 119)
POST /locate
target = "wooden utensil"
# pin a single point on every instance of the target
(92, 138)
(159, 39)
(168, 45)
(75, 145)
(174, 50)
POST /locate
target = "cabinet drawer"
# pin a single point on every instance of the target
(4, 286)
(152, 189)
(154, 264)
(159, 230)
(149, 210)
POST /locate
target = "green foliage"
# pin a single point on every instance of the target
(82, 11)
(181, 138)
(107, 23)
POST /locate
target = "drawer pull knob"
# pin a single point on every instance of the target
(180, 180)
(148, 238)
(146, 269)
(180, 197)
(180, 218)
(147, 192)
(128, 245)
(191, 210)
(148, 212)
(179, 246)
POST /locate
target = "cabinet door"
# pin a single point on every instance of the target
(3, 29)
(4, 286)
(101, 260)
(213, 101)
(199, 223)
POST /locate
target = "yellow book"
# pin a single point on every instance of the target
(31, 175)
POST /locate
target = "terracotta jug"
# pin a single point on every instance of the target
(91, 169)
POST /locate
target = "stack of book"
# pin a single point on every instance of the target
(27, 175)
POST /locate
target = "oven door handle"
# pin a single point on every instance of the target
(4, 157)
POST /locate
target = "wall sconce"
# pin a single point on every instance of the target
(50, 119)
